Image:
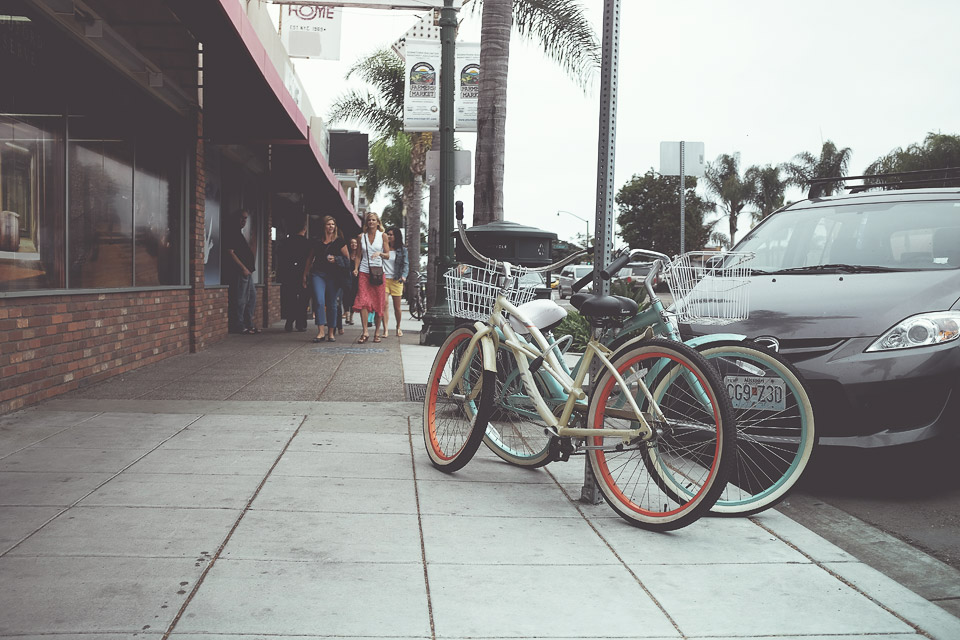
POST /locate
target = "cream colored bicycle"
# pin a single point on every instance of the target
(657, 427)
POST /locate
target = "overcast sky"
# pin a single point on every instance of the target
(765, 78)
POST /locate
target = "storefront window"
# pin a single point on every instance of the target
(31, 203)
(157, 188)
(101, 214)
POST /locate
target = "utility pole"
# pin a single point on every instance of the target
(438, 322)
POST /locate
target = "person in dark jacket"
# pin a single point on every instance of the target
(292, 254)
(241, 263)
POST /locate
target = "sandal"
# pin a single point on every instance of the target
(399, 332)
(376, 338)
(318, 339)
(362, 339)
(331, 339)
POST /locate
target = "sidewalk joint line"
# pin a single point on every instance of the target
(653, 598)
(423, 544)
(840, 578)
(216, 556)
(97, 488)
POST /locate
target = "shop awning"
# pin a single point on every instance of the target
(245, 101)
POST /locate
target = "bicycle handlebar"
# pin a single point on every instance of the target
(458, 207)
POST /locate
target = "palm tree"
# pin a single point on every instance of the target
(938, 151)
(769, 189)
(565, 35)
(383, 112)
(733, 192)
(832, 163)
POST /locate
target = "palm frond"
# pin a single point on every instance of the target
(384, 71)
(365, 109)
(564, 34)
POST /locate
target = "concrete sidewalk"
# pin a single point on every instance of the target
(270, 487)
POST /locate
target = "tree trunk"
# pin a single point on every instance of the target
(733, 228)
(433, 236)
(495, 32)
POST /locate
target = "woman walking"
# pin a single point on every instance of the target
(350, 281)
(395, 269)
(373, 248)
(325, 278)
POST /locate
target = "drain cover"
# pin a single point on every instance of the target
(416, 392)
(349, 350)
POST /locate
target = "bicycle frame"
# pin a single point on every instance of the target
(487, 339)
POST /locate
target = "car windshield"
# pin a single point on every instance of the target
(531, 280)
(857, 238)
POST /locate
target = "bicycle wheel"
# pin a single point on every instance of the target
(515, 431)
(416, 305)
(453, 425)
(675, 477)
(775, 425)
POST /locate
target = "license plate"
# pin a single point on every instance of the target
(756, 392)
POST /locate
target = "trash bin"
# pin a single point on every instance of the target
(514, 243)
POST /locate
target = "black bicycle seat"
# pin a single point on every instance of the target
(600, 306)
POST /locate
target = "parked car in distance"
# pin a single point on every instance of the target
(634, 274)
(570, 275)
(862, 293)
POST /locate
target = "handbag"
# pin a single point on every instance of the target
(376, 273)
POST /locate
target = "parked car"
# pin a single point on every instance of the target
(634, 274)
(862, 293)
(570, 275)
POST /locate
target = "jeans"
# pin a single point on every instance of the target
(246, 296)
(325, 292)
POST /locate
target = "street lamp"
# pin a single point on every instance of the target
(579, 218)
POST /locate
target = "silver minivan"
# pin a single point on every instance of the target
(570, 275)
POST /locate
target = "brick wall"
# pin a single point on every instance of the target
(53, 344)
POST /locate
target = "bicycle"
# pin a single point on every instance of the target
(775, 421)
(417, 296)
(657, 427)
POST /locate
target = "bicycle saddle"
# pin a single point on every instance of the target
(600, 306)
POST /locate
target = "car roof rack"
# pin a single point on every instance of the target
(921, 177)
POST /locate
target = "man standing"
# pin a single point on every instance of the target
(242, 262)
(292, 254)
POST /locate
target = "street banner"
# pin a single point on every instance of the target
(468, 86)
(421, 96)
(311, 31)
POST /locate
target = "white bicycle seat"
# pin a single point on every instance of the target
(542, 313)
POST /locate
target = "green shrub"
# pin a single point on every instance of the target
(577, 326)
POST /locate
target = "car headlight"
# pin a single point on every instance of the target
(919, 331)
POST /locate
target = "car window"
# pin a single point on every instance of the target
(582, 270)
(900, 235)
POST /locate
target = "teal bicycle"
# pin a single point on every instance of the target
(775, 421)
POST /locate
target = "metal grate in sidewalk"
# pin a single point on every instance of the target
(415, 392)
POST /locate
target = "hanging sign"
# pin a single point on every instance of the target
(468, 86)
(312, 31)
(421, 96)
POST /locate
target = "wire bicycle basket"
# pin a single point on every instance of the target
(710, 288)
(472, 291)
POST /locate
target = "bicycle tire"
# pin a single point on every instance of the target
(514, 430)
(416, 307)
(453, 427)
(774, 445)
(674, 478)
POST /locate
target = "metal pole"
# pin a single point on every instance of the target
(682, 195)
(603, 251)
(438, 322)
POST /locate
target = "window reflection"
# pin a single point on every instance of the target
(31, 203)
(101, 214)
(157, 217)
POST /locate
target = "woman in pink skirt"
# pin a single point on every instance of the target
(374, 247)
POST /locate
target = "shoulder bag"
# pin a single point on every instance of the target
(376, 273)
